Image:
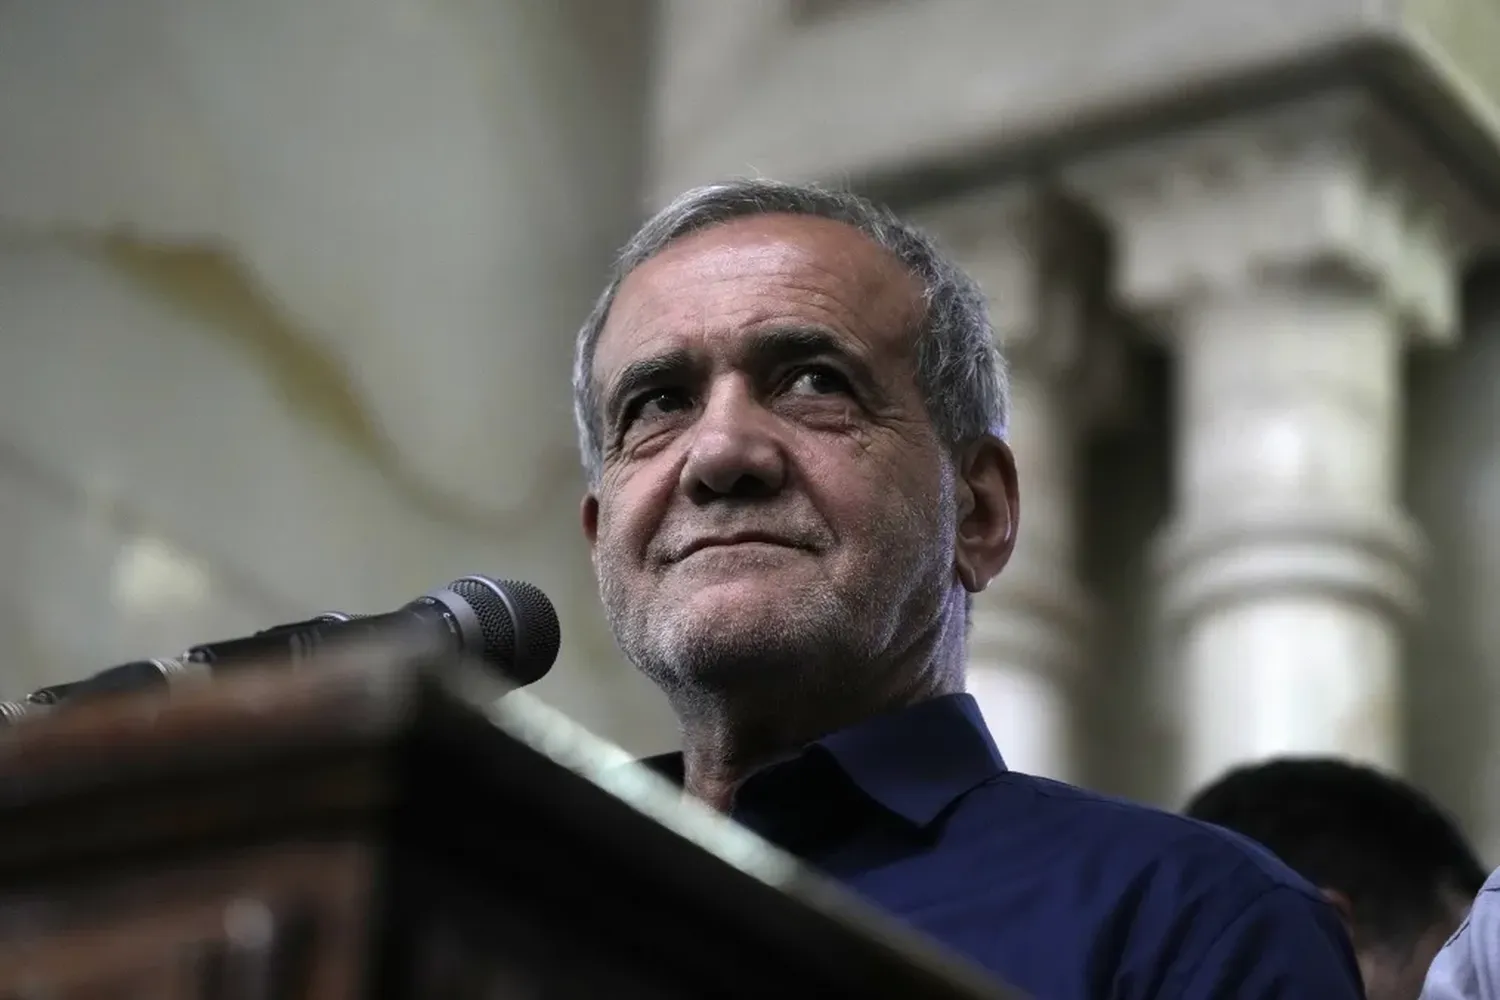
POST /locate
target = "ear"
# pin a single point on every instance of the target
(590, 516)
(989, 508)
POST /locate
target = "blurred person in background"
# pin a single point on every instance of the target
(791, 411)
(1468, 967)
(1399, 870)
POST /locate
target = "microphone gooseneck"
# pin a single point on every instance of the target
(505, 625)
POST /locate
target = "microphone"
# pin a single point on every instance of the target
(508, 626)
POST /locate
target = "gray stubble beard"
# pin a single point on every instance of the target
(824, 642)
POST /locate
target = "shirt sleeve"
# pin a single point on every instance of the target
(1468, 967)
(1285, 945)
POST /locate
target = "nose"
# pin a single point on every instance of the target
(734, 452)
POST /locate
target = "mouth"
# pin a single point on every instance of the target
(740, 538)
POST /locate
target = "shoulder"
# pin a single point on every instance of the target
(1194, 908)
(1142, 838)
(1468, 967)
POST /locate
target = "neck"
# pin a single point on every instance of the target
(729, 735)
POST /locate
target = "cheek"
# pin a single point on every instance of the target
(630, 506)
(916, 480)
(872, 496)
(612, 503)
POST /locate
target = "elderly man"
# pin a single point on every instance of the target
(791, 411)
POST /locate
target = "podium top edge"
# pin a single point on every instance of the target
(346, 701)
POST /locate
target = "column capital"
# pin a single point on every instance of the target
(1329, 189)
(1042, 259)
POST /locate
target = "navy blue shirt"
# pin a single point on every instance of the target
(1057, 891)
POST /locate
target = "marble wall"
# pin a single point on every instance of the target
(287, 297)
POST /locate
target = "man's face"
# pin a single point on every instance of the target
(774, 498)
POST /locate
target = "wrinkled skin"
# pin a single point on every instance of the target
(782, 541)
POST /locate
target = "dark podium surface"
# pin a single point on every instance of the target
(368, 829)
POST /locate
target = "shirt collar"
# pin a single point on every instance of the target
(915, 762)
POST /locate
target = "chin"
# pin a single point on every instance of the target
(737, 616)
(744, 595)
(724, 631)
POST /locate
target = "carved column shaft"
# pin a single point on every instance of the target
(1040, 261)
(1288, 572)
(1290, 259)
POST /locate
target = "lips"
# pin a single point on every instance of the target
(738, 538)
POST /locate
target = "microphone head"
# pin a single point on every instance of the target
(519, 631)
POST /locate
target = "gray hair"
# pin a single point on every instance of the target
(959, 368)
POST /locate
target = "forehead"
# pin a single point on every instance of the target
(711, 287)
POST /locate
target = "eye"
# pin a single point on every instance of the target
(817, 380)
(654, 404)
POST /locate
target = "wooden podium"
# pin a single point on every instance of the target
(377, 830)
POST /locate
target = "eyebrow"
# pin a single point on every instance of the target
(781, 344)
(765, 350)
(777, 347)
(642, 374)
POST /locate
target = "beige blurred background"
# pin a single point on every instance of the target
(288, 292)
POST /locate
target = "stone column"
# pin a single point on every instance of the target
(1290, 259)
(1041, 262)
